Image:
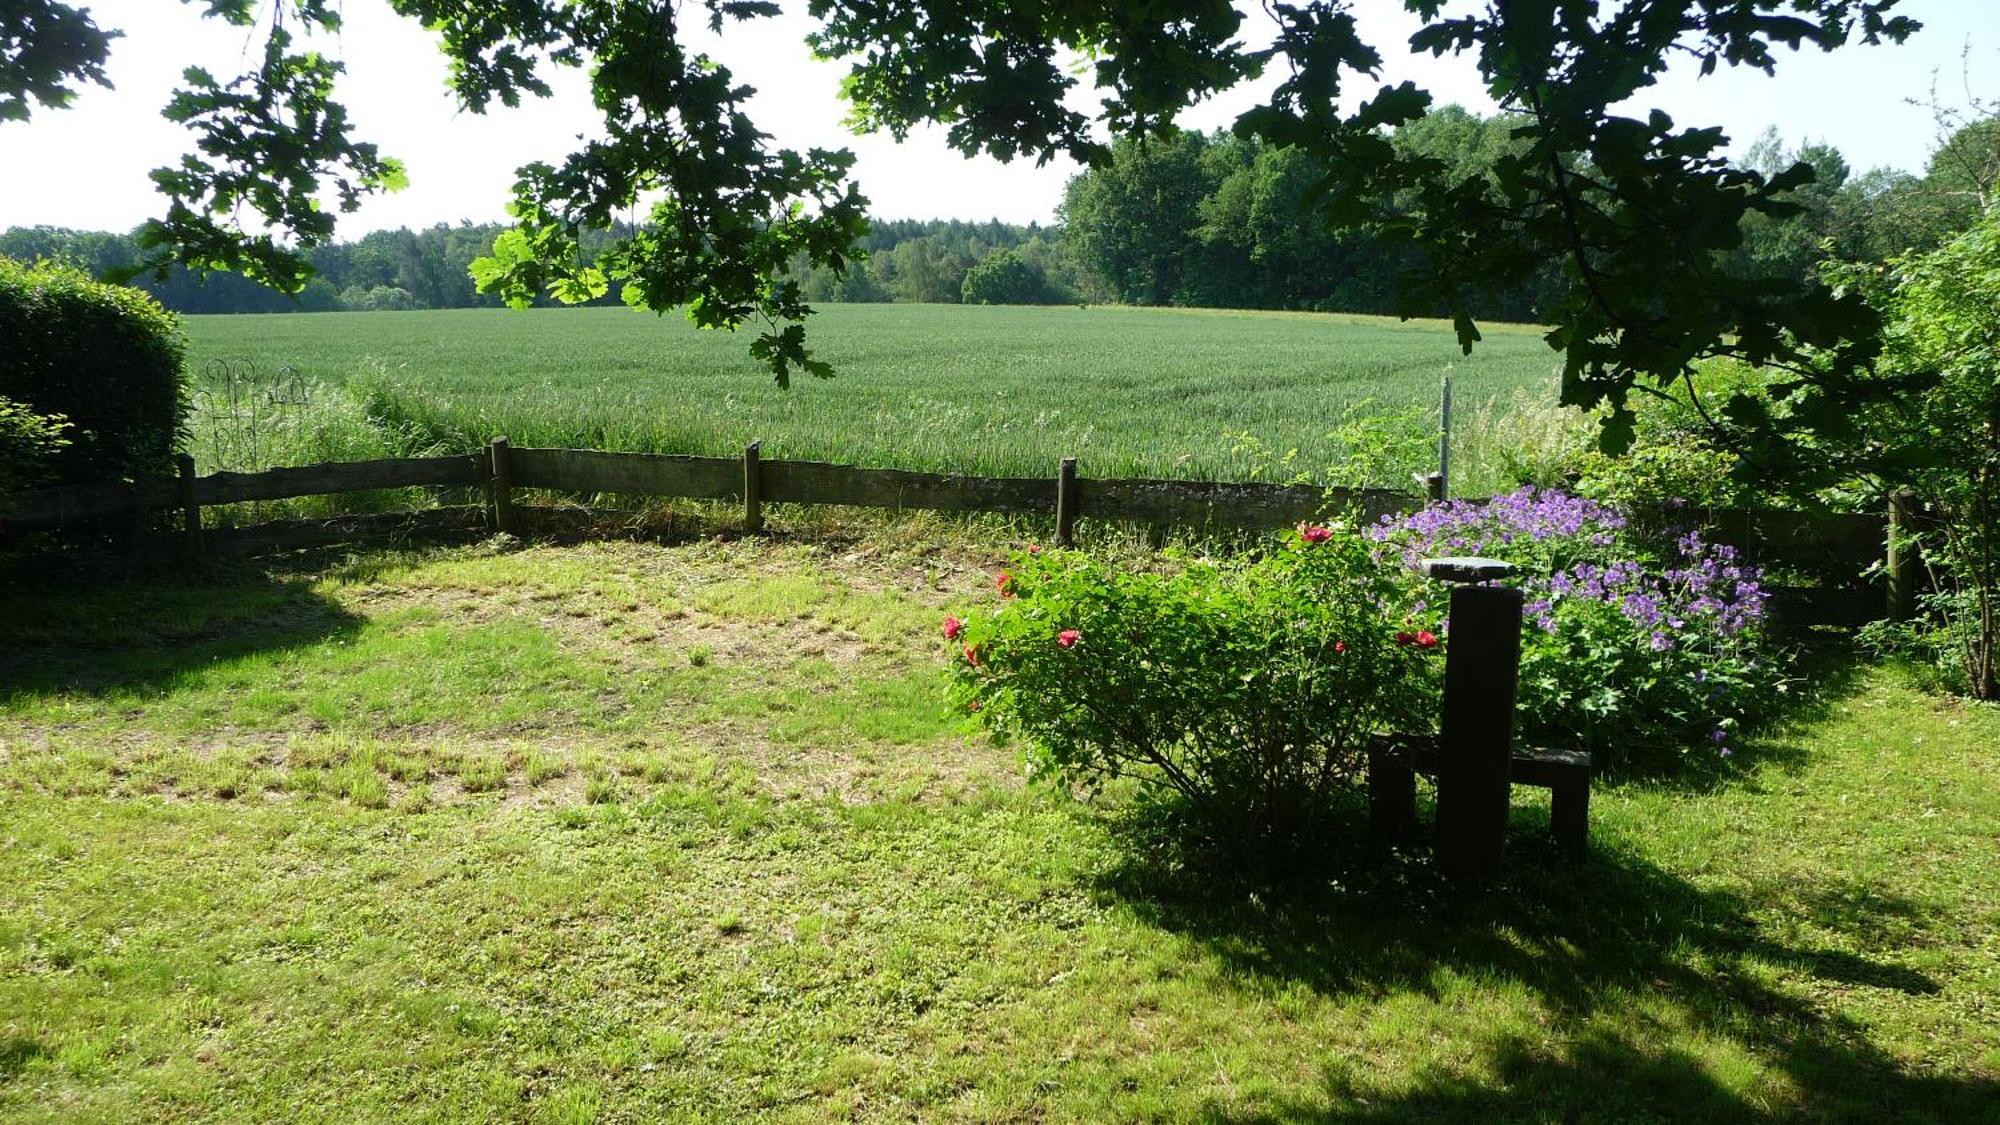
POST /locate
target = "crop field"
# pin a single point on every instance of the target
(1156, 392)
(642, 832)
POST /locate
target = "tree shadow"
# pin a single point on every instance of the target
(94, 628)
(1608, 945)
(1825, 671)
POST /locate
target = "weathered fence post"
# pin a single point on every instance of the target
(753, 488)
(1066, 498)
(500, 471)
(1443, 484)
(1902, 559)
(1482, 668)
(190, 503)
(1433, 487)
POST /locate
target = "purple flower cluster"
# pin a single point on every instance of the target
(1562, 543)
(1706, 589)
(1672, 630)
(1531, 519)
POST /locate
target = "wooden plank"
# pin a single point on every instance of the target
(631, 474)
(1833, 542)
(811, 482)
(1235, 504)
(54, 507)
(342, 476)
(278, 536)
(1797, 607)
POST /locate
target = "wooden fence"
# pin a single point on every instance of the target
(1820, 558)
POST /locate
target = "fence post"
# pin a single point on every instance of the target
(190, 505)
(1443, 484)
(500, 470)
(1482, 668)
(753, 488)
(1066, 498)
(1434, 487)
(1902, 560)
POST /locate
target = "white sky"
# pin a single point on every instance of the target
(86, 166)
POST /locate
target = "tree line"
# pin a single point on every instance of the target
(1191, 219)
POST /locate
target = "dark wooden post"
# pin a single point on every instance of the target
(1434, 488)
(1901, 564)
(753, 488)
(1482, 670)
(1066, 503)
(500, 471)
(1392, 792)
(190, 505)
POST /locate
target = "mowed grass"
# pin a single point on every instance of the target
(964, 388)
(635, 832)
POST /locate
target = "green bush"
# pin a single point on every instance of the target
(106, 358)
(1006, 278)
(28, 442)
(1240, 695)
(1651, 658)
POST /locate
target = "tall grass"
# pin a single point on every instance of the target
(1153, 392)
(247, 417)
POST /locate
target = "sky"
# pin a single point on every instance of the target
(86, 166)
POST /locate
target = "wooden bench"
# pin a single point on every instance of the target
(1394, 761)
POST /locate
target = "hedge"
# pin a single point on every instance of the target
(105, 358)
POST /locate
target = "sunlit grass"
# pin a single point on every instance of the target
(471, 836)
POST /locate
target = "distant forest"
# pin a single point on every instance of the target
(1193, 219)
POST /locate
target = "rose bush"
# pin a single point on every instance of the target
(1640, 656)
(1238, 694)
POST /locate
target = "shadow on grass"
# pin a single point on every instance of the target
(1635, 964)
(94, 629)
(1824, 671)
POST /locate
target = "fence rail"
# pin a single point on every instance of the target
(1833, 548)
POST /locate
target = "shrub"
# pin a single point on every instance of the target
(1006, 278)
(1641, 659)
(28, 443)
(106, 358)
(1239, 695)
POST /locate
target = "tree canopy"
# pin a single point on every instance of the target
(1640, 212)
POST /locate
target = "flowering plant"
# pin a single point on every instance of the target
(1637, 656)
(1242, 693)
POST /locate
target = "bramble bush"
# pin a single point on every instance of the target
(1643, 658)
(1238, 693)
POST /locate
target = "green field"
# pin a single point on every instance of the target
(977, 389)
(630, 832)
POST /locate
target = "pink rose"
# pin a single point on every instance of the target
(1068, 637)
(952, 627)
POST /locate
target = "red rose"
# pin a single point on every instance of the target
(972, 656)
(1340, 646)
(1315, 534)
(1004, 584)
(952, 627)
(1426, 639)
(1068, 637)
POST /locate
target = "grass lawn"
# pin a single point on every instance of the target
(627, 832)
(965, 388)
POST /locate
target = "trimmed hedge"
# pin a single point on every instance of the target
(106, 358)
